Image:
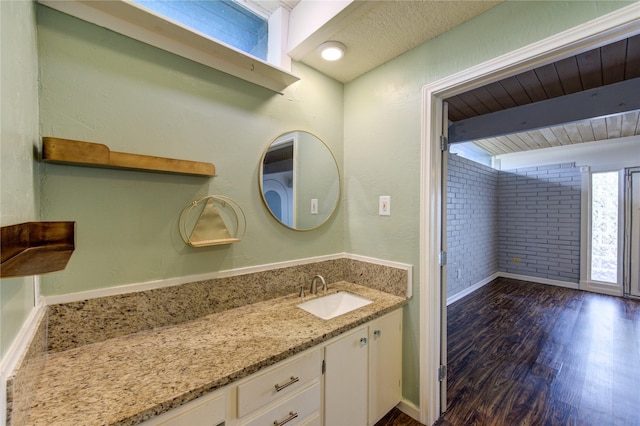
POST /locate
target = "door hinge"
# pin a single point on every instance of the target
(442, 258)
(444, 143)
(324, 366)
(442, 372)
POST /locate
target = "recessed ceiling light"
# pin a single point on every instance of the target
(332, 50)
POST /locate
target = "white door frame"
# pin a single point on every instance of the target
(598, 32)
(632, 232)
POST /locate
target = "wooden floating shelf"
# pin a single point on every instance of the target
(65, 151)
(213, 242)
(35, 248)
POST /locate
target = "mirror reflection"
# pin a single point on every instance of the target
(299, 180)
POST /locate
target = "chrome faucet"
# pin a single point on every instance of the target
(314, 285)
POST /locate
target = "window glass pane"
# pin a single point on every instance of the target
(473, 152)
(604, 227)
(223, 20)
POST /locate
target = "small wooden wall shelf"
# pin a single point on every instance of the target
(34, 248)
(65, 151)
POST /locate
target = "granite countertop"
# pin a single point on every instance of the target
(126, 380)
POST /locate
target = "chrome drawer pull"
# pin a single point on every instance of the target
(292, 416)
(289, 383)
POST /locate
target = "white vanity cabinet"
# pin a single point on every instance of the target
(363, 378)
(360, 384)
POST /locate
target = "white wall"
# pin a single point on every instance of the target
(613, 154)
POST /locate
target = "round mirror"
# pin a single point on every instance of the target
(299, 180)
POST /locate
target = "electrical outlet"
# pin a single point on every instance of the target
(384, 205)
(314, 206)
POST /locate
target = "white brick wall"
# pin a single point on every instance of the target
(539, 215)
(532, 214)
(472, 223)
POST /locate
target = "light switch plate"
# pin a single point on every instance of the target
(384, 205)
(314, 206)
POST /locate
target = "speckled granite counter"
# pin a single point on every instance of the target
(128, 379)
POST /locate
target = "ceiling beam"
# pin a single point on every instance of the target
(598, 102)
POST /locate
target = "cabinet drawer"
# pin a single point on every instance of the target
(314, 420)
(297, 409)
(208, 410)
(282, 380)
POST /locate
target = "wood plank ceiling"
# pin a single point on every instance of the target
(599, 67)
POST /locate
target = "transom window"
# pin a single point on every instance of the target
(224, 20)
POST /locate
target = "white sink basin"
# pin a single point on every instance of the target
(327, 307)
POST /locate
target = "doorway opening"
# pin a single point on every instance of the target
(613, 27)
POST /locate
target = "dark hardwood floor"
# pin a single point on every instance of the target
(530, 354)
(396, 417)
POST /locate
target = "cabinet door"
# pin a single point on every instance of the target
(345, 392)
(385, 365)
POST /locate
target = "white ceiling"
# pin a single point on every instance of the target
(376, 32)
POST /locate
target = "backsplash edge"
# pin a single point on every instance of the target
(112, 316)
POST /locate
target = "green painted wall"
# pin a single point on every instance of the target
(98, 86)
(18, 136)
(382, 133)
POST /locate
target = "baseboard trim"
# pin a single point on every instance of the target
(538, 280)
(409, 408)
(23, 339)
(152, 285)
(16, 352)
(467, 291)
(608, 289)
